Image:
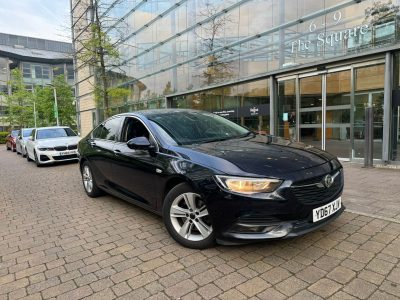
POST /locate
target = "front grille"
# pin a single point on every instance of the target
(60, 148)
(311, 192)
(72, 147)
(65, 157)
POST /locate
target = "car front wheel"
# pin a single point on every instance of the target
(187, 219)
(38, 164)
(89, 183)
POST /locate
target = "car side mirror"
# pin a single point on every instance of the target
(30, 138)
(139, 143)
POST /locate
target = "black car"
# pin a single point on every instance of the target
(211, 179)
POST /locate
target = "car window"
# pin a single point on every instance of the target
(97, 133)
(193, 127)
(133, 128)
(51, 133)
(26, 132)
(108, 130)
(111, 128)
(14, 133)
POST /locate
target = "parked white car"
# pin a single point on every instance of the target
(25, 133)
(51, 144)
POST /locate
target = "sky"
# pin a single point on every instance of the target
(46, 19)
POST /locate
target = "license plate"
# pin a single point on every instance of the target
(325, 211)
(66, 153)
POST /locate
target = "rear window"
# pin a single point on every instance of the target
(53, 133)
(14, 133)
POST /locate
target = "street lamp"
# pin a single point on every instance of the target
(55, 103)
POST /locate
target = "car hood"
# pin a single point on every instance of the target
(257, 155)
(71, 140)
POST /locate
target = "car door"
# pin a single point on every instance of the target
(100, 149)
(29, 144)
(135, 171)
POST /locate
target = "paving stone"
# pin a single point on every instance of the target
(371, 277)
(311, 274)
(253, 286)
(325, 287)
(276, 275)
(209, 291)
(232, 294)
(229, 281)
(291, 286)
(180, 289)
(341, 274)
(305, 295)
(271, 294)
(360, 288)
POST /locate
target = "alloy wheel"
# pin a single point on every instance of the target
(87, 179)
(189, 217)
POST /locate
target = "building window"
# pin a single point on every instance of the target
(26, 70)
(58, 70)
(70, 72)
(35, 71)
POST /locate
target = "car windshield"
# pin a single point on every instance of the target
(26, 132)
(195, 127)
(52, 133)
(14, 133)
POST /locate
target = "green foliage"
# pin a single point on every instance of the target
(45, 104)
(3, 135)
(20, 102)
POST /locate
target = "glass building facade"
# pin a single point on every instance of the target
(261, 62)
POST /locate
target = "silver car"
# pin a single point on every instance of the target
(52, 144)
(23, 136)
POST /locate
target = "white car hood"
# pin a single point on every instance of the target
(64, 141)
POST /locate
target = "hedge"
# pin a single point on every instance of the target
(3, 135)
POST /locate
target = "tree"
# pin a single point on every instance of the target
(211, 37)
(45, 103)
(19, 103)
(100, 53)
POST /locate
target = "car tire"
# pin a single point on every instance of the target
(89, 182)
(38, 164)
(27, 157)
(186, 218)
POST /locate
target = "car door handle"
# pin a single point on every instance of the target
(117, 151)
(92, 144)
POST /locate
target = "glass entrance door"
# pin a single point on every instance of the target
(369, 84)
(338, 108)
(311, 101)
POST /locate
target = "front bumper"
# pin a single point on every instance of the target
(278, 230)
(49, 157)
(288, 212)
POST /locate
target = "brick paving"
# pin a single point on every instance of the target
(57, 243)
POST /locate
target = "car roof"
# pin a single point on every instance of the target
(158, 111)
(50, 127)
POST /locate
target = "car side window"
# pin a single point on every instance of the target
(111, 128)
(107, 130)
(133, 128)
(98, 132)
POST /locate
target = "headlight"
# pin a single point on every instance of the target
(248, 186)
